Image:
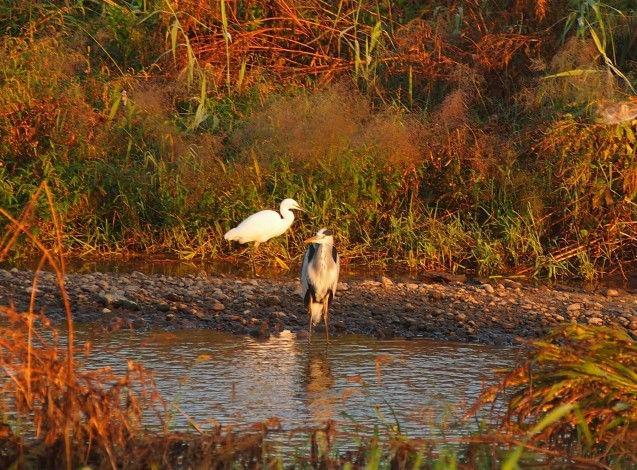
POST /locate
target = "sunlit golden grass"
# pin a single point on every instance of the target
(69, 415)
(321, 129)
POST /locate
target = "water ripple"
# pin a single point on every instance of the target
(221, 378)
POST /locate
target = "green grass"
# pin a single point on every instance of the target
(572, 399)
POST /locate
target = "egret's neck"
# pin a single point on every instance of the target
(287, 214)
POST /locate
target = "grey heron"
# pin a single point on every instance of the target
(319, 277)
(264, 225)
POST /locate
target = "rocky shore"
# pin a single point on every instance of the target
(435, 306)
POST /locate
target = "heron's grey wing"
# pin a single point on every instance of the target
(308, 256)
(337, 263)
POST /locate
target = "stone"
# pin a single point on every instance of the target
(173, 297)
(272, 300)
(510, 284)
(488, 288)
(198, 314)
(437, 295)
(126, 304)
(107, 299)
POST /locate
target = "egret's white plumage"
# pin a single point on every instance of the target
(319, 277)
(263, 225)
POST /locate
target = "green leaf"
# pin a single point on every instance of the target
(558, 413)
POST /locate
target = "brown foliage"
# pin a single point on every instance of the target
(317, 38)
(325, 126)
(74, 415)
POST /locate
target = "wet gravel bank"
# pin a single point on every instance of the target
(443, 308)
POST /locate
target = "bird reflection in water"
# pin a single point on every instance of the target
(319, 382)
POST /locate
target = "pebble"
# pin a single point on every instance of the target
(488, 288)
(272, 300)
(510, 284)
(437, 295)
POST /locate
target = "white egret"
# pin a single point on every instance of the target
(264, 225)
(319, 277)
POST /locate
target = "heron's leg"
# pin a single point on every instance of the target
(309, 331)
(325, 319)
(254, 266)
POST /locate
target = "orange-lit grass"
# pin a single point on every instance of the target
(65, 409)
(62, 414)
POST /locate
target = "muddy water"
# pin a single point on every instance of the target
(226, 379)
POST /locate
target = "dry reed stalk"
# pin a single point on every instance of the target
(20, 226)
(83, 410)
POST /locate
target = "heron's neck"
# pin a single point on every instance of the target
(322, 255)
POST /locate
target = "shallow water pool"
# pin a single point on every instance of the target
(218, 378)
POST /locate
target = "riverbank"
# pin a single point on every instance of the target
(439, 306)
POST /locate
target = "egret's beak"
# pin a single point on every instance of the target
(312, 240)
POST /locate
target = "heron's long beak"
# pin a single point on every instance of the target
(312, 240)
